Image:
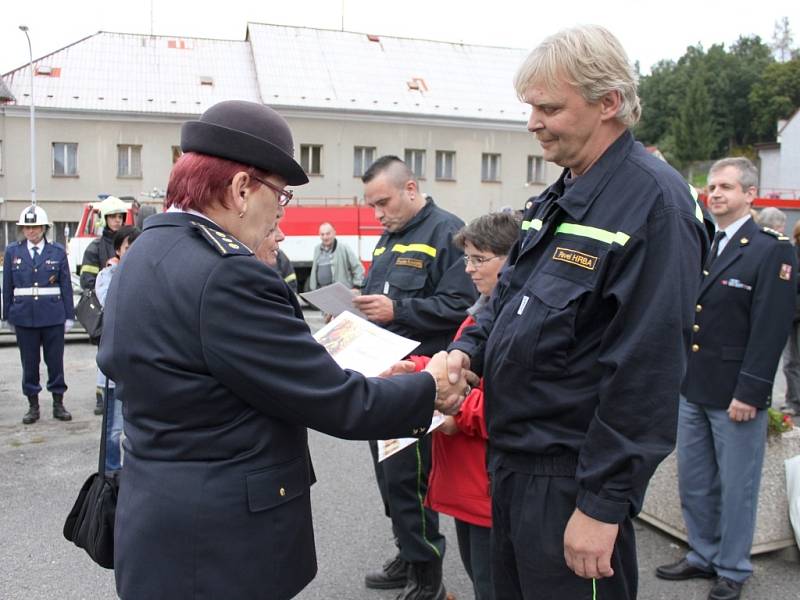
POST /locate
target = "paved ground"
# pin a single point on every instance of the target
(43, 466)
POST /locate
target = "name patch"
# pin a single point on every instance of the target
(574, 257)
(415, 263)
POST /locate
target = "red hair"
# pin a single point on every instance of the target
(198, 181)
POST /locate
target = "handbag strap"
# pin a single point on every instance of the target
(101, 468)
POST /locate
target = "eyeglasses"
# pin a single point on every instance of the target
(284, 195)
(477, 261)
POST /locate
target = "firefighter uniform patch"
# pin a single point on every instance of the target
(410, 262)
(574, 257)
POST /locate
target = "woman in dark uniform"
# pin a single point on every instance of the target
(219, 378)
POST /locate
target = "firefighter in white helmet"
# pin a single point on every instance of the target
(97, 256)
(37, 305)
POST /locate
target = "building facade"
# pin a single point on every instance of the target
(109, 110)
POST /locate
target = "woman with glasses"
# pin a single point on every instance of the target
(221, 377)
(458, 484)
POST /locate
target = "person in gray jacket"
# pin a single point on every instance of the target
(334, 262)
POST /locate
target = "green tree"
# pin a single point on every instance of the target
(775, 96)
(782, 40)
(694, 130)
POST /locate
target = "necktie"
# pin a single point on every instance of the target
(35, 255)
(712, 253)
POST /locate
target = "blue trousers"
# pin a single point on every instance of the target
(30, 340)
(114, 425)
(719, 473)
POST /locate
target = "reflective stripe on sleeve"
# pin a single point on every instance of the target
(594, 233)
(90, 269)
(535, 224)
(379, 251)
(290, 277)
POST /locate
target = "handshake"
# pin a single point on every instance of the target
(454, 380)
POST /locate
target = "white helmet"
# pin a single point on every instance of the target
(113, 206)
(33, 216)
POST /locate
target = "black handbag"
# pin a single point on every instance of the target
(90, 523)
(90, 314)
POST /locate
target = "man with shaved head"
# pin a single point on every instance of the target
(417, 287)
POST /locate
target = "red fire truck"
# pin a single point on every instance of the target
(355, 225)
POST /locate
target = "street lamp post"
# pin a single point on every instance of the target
(24, 29)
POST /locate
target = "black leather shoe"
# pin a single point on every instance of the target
(682, 570)
(33, 411)
(725, 589)
(393, 574)
(59, 412)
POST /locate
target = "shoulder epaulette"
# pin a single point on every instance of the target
(775, 234)
(225, 244)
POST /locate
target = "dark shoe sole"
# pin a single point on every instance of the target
(388, 584)
(682, 577)
(63, 418)
(29, 421)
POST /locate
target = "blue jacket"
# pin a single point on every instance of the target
(744, 312)
(51, 271)
(584, 344)
(220, 377)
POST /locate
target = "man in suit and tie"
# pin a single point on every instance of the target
(743, 315)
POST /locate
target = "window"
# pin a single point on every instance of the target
(535, 169)
(445, 165)
(490, 167)
(176, 154)
(311, 159)
(363, 157)
(129, 161)
(65, 159)
(415, 159)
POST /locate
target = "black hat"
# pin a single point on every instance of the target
(246, 132)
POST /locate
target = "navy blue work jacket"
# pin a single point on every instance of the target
(50, 271)
(421, 270)
(584, 345)
(219, 377)
(743, 316)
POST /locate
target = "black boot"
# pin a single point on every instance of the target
(424, 582)
(59, 412)
(393, 574)
(99, 406)
(33, 411)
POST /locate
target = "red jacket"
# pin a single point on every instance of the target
(458, 484)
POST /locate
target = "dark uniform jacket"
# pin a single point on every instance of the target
(423, 273)
(51, 271)
(584, 345)
(219, 377)
(744, 312)
(95, 258)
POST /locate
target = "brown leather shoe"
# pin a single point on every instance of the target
(725, 589)
(682, 570)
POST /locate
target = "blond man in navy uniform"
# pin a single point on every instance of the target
(38, 306)
(744, 311)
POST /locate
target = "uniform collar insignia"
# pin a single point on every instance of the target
(222, 242)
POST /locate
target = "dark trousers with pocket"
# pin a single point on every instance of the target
(473, 545)
(530, 511)
(403, 484)
(31, 341)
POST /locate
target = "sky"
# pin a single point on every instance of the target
(649, 30)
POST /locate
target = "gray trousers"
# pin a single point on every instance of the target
(719, 473)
